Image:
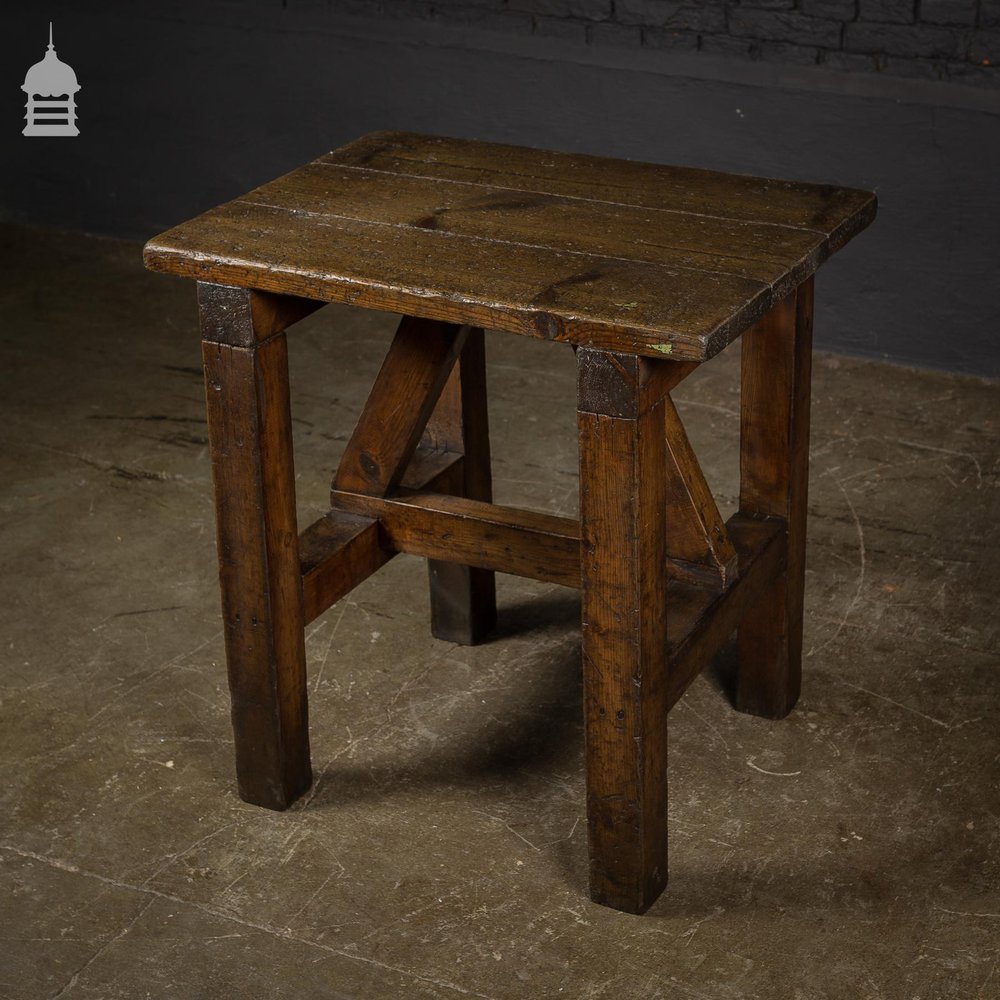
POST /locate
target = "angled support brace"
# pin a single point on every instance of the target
(698, 543)
(406, 390)
(698, 547)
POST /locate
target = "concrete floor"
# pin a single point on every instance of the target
(851, 850)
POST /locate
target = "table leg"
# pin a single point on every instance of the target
(774, 478)
(463, 598)
(249, 426)
(623, 492)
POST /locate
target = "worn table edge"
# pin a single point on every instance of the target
(161, 254)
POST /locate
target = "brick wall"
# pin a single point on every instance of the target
(954, 40)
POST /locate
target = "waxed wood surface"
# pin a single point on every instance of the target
(339, 550)
(702, 621)
(697, 534)
(250, 437)
(463, 598)
(776, 369)
(611, 254)
(474, 533)
(406, 390)
(623, 554)
(336, 553)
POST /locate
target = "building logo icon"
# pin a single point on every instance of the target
(51, 87)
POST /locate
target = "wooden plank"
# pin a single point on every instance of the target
(837, 212)
(474, 533)
(341, 549)
(405, 392)
(609, 254)
(249, 426)
(774, 480)
(624, 305)
(463, 598)
(697, 534)
(623, 571)
(764, 252)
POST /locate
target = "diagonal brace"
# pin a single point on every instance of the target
(404, 395)
(696, 538)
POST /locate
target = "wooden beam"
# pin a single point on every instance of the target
(439, 526)
(432, 471)
(250, 438)
(340, 550)
(774, 480)
(623, 385)
(625, 656)
(701, 620)
(242, 318)
(463, 598)
(474, 533)
(363, 533)
(336, 553)
(696, 534)
(405, 393)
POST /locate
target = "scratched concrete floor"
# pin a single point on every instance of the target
(851, 850)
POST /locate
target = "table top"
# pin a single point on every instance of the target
(615, 254)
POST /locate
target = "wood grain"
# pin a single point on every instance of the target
(834, 211)
(774, 480)
(697, 536)
(336, 553)
(609, 254)
(230, 316)
(473, 533)
(249, 426)
(406, 390)
(763, 252)
(620, 304)
(339, 550)
(625, 666)
(701, 620)
(623, 385)
(463, 598)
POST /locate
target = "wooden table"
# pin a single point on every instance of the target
(648, 271)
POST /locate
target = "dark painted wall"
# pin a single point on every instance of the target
(957, 40)
(180, 110)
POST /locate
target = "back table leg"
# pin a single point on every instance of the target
(623, 492)
(463, 598)
(249, 425)
(774, 479)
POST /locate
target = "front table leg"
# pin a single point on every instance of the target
(623, 493)
(249, 426)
